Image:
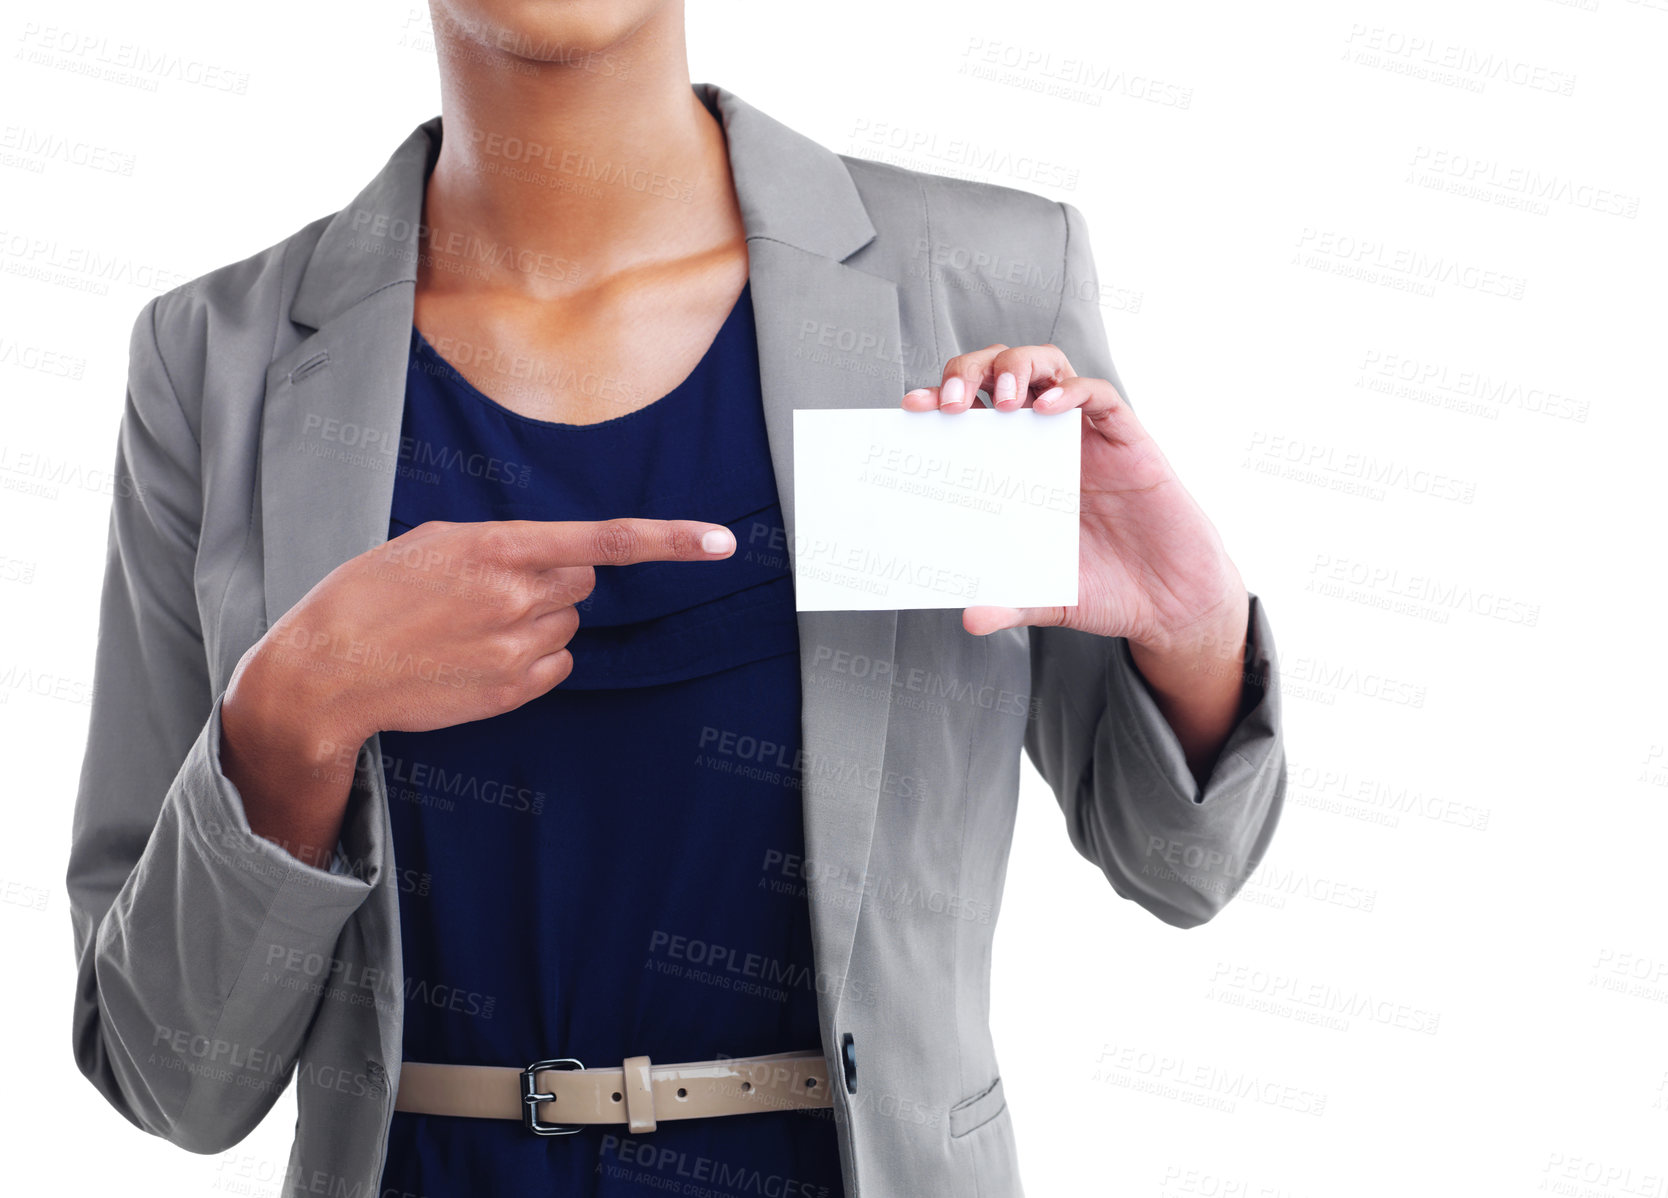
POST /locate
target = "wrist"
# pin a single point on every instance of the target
(1214, 641)
(1196, 678)
(287, 711)
(292, 766)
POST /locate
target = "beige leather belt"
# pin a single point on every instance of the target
(558, 1096)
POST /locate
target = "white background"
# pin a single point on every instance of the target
(1474, 834)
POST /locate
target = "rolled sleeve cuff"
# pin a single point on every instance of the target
(222, 831)
(1250, 751)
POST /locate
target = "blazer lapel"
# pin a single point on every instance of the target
(330, 430)
(331, 434)
(804, 217)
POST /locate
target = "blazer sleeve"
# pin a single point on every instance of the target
(1098, 738)
(183, 1018)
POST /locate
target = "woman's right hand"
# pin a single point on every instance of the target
(450, 623)
(443, 625)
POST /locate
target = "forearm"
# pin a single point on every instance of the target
(1198, 682)
(294, 774)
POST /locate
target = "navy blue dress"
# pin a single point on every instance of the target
(614, 868)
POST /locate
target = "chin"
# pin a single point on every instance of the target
(545, 30)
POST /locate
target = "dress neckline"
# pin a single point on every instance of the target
(423, 349)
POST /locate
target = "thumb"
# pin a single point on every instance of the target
(981, 621)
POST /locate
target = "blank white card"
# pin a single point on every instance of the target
(897, 509)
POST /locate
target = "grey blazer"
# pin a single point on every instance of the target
(256, 453)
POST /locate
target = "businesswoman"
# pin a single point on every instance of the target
(457, 753)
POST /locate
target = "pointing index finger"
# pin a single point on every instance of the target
(626, 540)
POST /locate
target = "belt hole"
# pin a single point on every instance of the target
(682, 1093)
(746, 1086)
(616, 1096)
(810, 1083)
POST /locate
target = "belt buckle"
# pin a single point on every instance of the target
(530, 1098)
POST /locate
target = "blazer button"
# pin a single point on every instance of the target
(848, 1054)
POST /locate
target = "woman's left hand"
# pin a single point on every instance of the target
(1151, 565)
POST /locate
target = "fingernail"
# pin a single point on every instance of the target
(718, 540)
(951, 391)
(915, 394)
(1004, 387)
(1049, 396)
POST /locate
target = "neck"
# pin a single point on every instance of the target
(594, 161)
